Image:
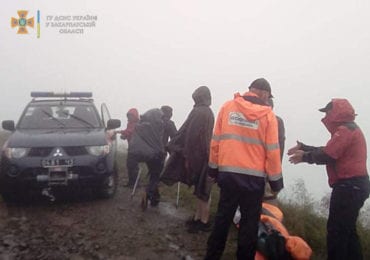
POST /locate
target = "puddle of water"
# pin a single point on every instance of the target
(167, 208)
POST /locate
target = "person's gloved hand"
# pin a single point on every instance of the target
(296, 157)
(295, 148)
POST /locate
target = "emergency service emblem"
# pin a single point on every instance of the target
(238, 119)
(22, 22)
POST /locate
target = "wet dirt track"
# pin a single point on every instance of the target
(97, 229)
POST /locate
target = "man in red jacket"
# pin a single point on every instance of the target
(345, 158)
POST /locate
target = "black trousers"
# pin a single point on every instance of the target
(231, 195)
(132, 165)
(155, 166)
(342, 239)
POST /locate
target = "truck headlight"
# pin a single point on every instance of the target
(98, 150)
(16, 153)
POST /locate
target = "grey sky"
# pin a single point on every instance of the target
(148, 53)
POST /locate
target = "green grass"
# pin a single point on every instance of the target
(301, 219)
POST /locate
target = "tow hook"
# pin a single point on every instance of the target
(47, 192)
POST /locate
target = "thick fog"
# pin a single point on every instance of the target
(145, 54)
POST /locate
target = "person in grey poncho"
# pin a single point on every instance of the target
(189, 152)
(146, 146)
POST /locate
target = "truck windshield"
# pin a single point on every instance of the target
(59, 116)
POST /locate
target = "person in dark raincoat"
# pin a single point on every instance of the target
(146, 146)
(345, 157)
(189, 152)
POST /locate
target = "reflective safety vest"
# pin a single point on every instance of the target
(245, 140)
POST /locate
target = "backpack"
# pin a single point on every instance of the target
(271, 243)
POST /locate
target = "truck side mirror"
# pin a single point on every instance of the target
(113, 124)
(8, 125)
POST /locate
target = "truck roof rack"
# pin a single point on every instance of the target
(46, 94)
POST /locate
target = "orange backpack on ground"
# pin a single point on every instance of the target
(274, 240)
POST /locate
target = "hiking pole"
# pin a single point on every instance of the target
(209, 200)
(178, 194)
(136, 183)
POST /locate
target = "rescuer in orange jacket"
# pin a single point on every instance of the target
(244, 152)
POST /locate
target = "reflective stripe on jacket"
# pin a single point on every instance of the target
(245, 141)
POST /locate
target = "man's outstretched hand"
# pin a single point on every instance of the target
(294, 148)
(296, 155)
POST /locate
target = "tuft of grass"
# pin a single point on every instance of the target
(303, 222)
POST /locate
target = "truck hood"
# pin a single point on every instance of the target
(57, 137)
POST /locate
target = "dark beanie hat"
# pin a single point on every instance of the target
(167, 110)
(261, 84)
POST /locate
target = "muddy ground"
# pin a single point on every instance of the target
(87, 228)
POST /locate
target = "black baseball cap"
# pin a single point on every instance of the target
(261, 84)
(328, 107)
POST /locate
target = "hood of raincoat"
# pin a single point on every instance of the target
(133, 115)
(152, 116)
(251, 110)
(202, 96)
(341, 112)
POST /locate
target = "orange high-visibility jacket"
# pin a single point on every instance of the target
(245, 140)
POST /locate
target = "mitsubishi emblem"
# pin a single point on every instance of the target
(57, 153)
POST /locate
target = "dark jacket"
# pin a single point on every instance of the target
(281, 133)
(170, 130)
(190, 146)
(146, 140)
(345, 153)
